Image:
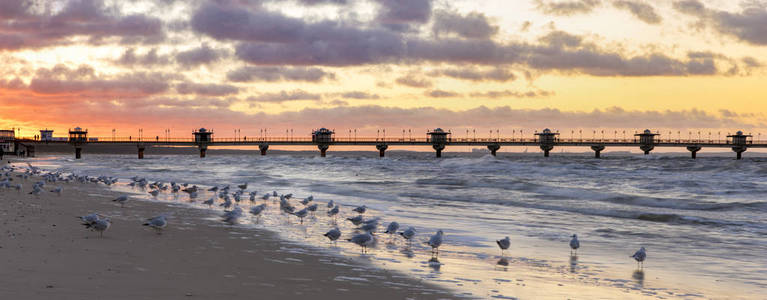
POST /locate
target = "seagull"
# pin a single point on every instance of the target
(355, 220)
(301, 214)
(243, 186)
(574, 244)
(363, 240)
(213, 189)
(334, 212)
(232, 216)
(392, 228)
(36, 190)
(158, 223)
(257, 210)
(57, 190)
(640, 256)
(360, 209)
(210, 201)
(307, 200)
(408, 234)
(122, 199)
(266, 196)
(227, 203)
(89, 218)
(503, 244)
(99, 225)
(370, 225)
(154, 193)
(330, 204)
(333, 234)
(312, 208)
(435, 241)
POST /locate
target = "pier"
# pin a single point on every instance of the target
(438, 139)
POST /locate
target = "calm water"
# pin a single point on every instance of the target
(703, 222)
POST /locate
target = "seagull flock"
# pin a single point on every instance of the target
(229, 199)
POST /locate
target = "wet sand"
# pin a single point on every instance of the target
(47, 254)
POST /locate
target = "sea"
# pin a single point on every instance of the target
(703, 222)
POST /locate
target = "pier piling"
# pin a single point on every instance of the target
(694, 151)
(382, 149)
(597, 150)
(493, 148)
(439, 148)
(78, 152)
(263, 148)
(140, 151)
(323, 149)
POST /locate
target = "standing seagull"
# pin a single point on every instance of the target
(333, 235)
(503, 244)
(640, 256)
(57, 191)
(257, 210)
(122, 199)
(99, 225)
(158, 223)
(360, 209)
(435, 241)
(301, 214)
(408, 234)
(363, 240)
(574, 244)
(392, 228)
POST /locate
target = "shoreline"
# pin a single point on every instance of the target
(50, 255)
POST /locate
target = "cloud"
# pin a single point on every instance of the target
(566, 7)
(150, 58)
(472, 26)
(512, 94)
(318, 2)
(442, 94)
(269, 38)
(563, 52)
(200, 56)
(641, 10)
(360, 95)
(85, 82)
(413, 80)
(284, 96)
(22, 27)
(206, 89)
(475, 74)
(748, 25)
(274, 74)
(397, 14)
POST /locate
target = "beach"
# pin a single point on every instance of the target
(695, 232)
(47, 254)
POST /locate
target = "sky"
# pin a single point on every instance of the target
(676, 66)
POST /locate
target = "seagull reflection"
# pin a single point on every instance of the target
(408, 252)
(573, 263)
(435, 264)
(503, 262)
(639, 277)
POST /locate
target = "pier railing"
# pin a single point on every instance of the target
(353, 140)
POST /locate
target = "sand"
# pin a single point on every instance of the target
(45, 253)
